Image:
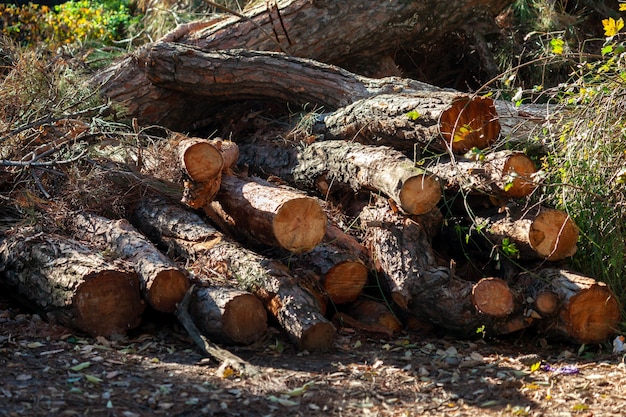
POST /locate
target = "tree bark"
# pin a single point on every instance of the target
(405, 262)
(410, 122)
(272, 215)
(590, 312)
(228, 315)
(189, 236)
(335, 32)
(321, 164)
(163, 283)
(501, 174)
(539, 233)
(71, 284)
(340, 261)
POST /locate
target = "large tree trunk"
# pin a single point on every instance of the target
(163, 283)
(189, 236)
(322, 164)
(71, 284)
(335, 32)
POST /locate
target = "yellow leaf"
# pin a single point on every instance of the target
(535, 366)
(622, 7)
(611, 26)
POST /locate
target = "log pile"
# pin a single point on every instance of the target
(294, 228)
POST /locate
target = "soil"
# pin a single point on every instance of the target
(46, 369)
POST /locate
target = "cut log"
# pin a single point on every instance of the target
(370, 316)
(539, 233)
(163, 283)
(71, 284)
(202, 163)
(493, 297)
(590, 312)
(406, 265)
(360, 166)
(272, 215)
(502, 174)
(189, 236)
(429, 119)
(336, 32)
(340, 262)
(228, 315)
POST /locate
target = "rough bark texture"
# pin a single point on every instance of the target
(339, 162)
(539, 233)
(163, 283)
(228, 315)
(272, 215)
(502, 174)
(341, 263)
(438, 119)
(335, 32)
(189, 236)
(590, 312)
(71, 284)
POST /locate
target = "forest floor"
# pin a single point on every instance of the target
(46, 370)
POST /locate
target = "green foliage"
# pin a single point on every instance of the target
(74, 22)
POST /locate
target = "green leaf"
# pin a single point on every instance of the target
(413, 115)
(80, 366)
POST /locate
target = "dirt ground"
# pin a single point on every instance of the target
(46, 370)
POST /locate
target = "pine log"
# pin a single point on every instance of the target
(340, 261)
(406, 266)
(275, 216)
(228, 315)
(71, 284)
(590, 312)
(187, 235)
(492, 296)
(360, 166)
(502, 174)
(540, 233)
(202, 163)
(429, 119)
(335, 32)
(163, 283)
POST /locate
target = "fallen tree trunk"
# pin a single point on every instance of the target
(501, 174)
(202, 163)
(539, 233)
(590, 312)
(410, 122)
(322, 164)
(272, 215)
(71, 284)
(228, 315)
(309, 29)
(163, 284)
(369, 316)
(189, 236)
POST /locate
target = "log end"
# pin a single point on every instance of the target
(519, 168)
(592, 315)
(168, 289)
(420, 194)
(345, 281)
(547, 303)
(300, 224)
(108, 303)
(245, 319)
(553, 235)
(492, 296)
(202, 161)
(469, 123)
(318, 337)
